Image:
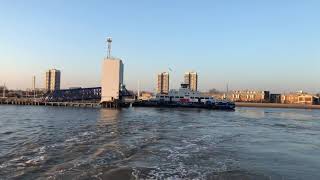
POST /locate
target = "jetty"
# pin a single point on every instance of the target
(36, 102)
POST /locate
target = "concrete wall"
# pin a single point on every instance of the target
(112, 79)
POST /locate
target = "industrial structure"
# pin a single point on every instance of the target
(163, 83)
(53, 80)
(112, 79)
(92, 94)
(191, 78)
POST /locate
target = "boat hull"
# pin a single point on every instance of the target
(224, 106)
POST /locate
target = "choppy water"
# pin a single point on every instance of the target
(150, 143)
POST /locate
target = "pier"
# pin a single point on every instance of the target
(31, 102)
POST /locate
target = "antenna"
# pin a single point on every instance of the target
(138, 89)
(4, 90)
(109, 41)
(227, 88)
(226, 95)
(34, 86)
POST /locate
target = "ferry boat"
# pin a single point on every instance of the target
(184, 97)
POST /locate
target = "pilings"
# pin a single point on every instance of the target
(28, 102)
(111, 104)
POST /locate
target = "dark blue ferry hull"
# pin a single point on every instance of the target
(218, 106)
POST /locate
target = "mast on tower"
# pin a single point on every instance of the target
(109, 41)
(4, 90)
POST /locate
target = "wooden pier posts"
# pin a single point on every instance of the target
(31, 102)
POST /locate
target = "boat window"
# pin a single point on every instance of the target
(161, 96)
(171, 97)
(206, 98)
(192, 97)
(181, 97)
(177, 97)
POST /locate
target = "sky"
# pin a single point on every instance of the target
(262, 45)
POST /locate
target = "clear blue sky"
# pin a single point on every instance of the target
(267, 44)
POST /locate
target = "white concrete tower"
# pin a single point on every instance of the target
(112, 77)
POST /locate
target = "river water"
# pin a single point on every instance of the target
(153, 143)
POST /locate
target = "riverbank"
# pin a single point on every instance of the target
(275, 105)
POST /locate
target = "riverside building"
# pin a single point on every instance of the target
(163, 83)
(249, 96)
(53, 77)
(299, 98)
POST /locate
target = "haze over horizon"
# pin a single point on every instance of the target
(268, 45)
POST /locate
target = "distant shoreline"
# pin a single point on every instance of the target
(275, 105)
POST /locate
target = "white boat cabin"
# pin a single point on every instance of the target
(184, 95)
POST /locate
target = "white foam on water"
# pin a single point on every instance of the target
(35, 160)
(73, 139)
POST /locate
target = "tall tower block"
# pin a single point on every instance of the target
(112, 77)
(53, 77)
(191, 78)
(163, 83)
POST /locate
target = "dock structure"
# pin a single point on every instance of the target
(111, 94)
(31, 102)
(112, 86)
(111, 104)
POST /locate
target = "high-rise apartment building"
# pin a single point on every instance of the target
(191, 78)
(53, 80)
(163, 83)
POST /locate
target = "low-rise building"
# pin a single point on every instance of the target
(299, 98)
(275, 98)
(249, 96)
(144, 95)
